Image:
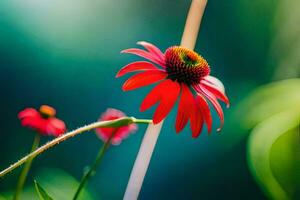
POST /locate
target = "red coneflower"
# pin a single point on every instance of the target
(178, 70)
(117, 134)
(43, 121)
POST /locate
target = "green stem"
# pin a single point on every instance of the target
(25, 170)
(93, 168)
(142, 121)
(111, 123)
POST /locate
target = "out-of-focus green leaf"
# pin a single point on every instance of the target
(263, 150)
(285, 161)
(269, 100)
(58, 184)
(43, 195)
(285, 48)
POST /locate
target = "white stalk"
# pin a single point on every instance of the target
(143, 158)
(142, 161)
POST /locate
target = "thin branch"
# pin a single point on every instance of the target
(112, 123)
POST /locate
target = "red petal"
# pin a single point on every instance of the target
(185, 108)
(153, 96)
(32, 122)
(169, 97)
(153, 49)
(41, 126)
(167, 93)
(28, 112)
(215, 91)
(144, 54)
(204, 107)
(55, 127)
(136, 66)
(196, 121)
(216, 105)
(143, 79)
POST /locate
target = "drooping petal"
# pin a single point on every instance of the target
(153, 49)
(196, 121)
(215, 104)
(215, 91)
(41, 126)
(166, 93)
(55, 127)
(144, 54)
(28, 112)
(143, 79)
(36, 123)
(215, 81)
(153, 96)
(136, 66)
(167, 102)
(186, 107)
(205, 111)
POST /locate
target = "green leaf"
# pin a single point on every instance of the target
(58, 184)
(2, 198)
(53, 180)
(263, 155)
(285, 47)
(43, 195)
(285, 162)
(269, 100)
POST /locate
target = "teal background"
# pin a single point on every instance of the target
(66, 54)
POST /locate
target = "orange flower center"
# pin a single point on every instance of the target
(47, 111)
(184, 65)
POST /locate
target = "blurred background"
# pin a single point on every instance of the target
(66, 54)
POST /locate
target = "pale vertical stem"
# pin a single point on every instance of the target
(192, 24)
(142, 161)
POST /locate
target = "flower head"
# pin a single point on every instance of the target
(183, 74)
(117, 134)
(43, 120)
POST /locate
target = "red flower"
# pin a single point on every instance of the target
(43, 121)
(120, 133)
(178, 71)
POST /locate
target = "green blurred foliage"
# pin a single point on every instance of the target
(277, 169)
(58, 184)
(274, 112)
(285, 49)
(285, 161)
(269, 100)
(43, 195)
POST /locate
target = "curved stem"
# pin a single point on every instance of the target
(111, 123)
(93, 168)
(142, 121)
(26, 168)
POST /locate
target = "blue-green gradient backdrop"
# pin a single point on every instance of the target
(66, 54)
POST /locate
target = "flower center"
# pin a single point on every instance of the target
(184, 65)
(47, 111)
